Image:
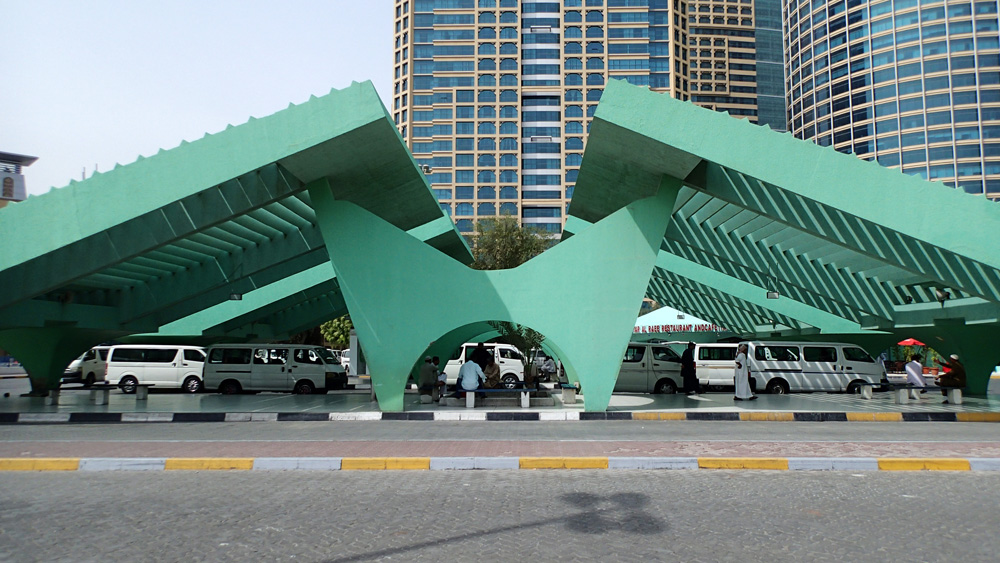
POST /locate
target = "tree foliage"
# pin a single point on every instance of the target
(338, 331)
(502, 243)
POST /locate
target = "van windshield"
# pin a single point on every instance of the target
(326, 355)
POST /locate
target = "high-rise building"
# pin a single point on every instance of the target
(496, 96)
(910, 84)
(11, 180)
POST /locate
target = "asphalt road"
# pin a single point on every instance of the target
(499, 516)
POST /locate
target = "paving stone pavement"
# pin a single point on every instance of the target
(499, 516)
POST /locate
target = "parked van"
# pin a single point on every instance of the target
(166, 366)
(715, 364)
(88, 368)
(298, 368)
(649, 368)
(783, 367)
(507, 357)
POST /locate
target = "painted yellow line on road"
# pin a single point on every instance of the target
(40, 464)
(564, 463)
(208, 463)
(977, 416)
(768, 416)
(378, 463)
(779, 463)
(659, 416)
(875, 416)
(923, 464)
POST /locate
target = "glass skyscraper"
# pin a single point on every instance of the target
(910, 84)
(496, 96)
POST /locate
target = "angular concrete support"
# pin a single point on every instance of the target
(45, 352)
(406, 298)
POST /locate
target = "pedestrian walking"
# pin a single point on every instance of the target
(741, 376)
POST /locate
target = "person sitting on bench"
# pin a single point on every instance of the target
(470, 377)
(915, 372)
(954, 377)
(492, 373)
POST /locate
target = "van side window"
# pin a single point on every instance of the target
(634, 353)
(160, 355)
(127, 355)
(665, 355)
(90, 355)
(193, 355)
(104, 354)
(229, 356)
(777, 353)
(853, 354)
(725, 353)
(304, 356)
(820, 354)
(270, 355)
(509, 354)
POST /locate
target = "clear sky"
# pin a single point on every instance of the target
(103, 81)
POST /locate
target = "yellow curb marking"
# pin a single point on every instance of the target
(875, 416)
(564, 463)
(768, 416)
(779, 463)
(40, 464)
(923, 464)
(977, 416)
(208, 463)
(378, 463)
(659, 416)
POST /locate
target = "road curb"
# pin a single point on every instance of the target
(494, 463)
(492, 416)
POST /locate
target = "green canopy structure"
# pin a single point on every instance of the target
(777, 237)
(276, 225)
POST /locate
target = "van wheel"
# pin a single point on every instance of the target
(191, 385)
(854, 387)
(665, 386)
(89, 380)
(230, 387)
(127, 384)
(508, 381)
(777, 387)
(303, 387)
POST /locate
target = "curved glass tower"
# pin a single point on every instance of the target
(911, 84)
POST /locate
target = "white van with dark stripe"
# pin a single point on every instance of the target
(784, 367)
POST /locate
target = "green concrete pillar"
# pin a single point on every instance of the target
(404, 296)
(45, 352)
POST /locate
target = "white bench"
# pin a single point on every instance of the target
(100, 394)
(904, 393)
(470, 396)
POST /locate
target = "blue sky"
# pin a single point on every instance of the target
(100, 82)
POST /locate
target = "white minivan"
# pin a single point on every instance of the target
(88, 368)
(649, 368)
(783, 367)
(507, 357)
(715, 364)
(299, 368)
(165, 366)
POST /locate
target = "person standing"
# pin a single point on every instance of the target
(915, 372)
(441, 386)
(742, 376)
(688, 373)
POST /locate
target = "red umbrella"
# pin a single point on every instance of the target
(910, 342)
